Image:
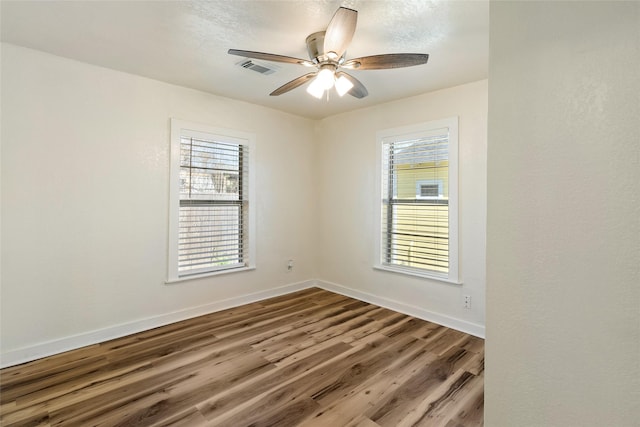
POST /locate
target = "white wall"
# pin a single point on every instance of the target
(563, 247)
(347, 153)
(85, 201)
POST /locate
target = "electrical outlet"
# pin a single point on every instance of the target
(290, 265)
(466, 301)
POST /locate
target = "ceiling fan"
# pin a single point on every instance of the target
(327, 54)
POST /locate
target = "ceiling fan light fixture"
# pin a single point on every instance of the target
(326, 77)
(316, 89)
(343, 85)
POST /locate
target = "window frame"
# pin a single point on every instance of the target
(409, 132)
(179, 129)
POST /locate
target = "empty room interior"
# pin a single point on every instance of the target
(199, 227)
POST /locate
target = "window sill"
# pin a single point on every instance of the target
(416, 273)
(208, 274)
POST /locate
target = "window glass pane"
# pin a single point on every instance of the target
(211, 226)
(415, 211)
(418, 236)
(209, 236)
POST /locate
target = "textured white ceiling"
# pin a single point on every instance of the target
(185, 43)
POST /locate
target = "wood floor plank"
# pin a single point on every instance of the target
(189, 418)
(459, 401)
(470, 410)
(45, 379)
(473, 344)
(368, 366)
(291, 389)
(441, 343)
(274, 412)
(324, 330)
(31, 416)
(353, 404)
(152, 371)
(399, 403)
(301, 324)
(305, 349)
(310, 358)
(247, 389)
(333, 417)
(147, 397)
(49, 364)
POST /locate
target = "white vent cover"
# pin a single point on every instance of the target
(258, 66)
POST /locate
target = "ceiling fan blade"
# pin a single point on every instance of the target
(340, 32)
(293, 84)
(358, 90)
(270, 57)
(383, 62)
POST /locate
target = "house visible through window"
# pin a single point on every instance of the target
(211, 202)
(417, 204)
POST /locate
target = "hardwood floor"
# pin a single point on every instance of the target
(312, 358)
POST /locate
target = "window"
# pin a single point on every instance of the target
(416, 200)
(211, 221)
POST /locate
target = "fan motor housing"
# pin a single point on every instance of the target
(315, 46)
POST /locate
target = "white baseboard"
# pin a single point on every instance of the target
(441, 319)
(38, 351)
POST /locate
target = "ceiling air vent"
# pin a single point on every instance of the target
(258, 67)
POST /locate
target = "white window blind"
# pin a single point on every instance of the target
(212, 206)
(416, 188)
(213, 203)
